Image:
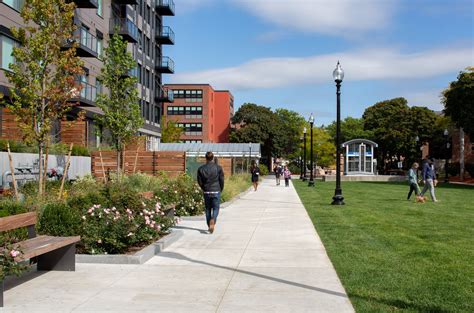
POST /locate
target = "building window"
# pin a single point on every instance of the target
(100, 11)
(191, 129)
(189, 112)
(147, 79)
(15, 4)
(147, 111)
(157, 116)
(100, 44)
(7, 45)
(188, 94)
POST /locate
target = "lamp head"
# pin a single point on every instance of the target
(338, 73)
(304, 130)
(311, 119)
(446, 133)
(417, 138)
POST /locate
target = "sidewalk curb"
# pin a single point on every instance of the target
(139, 257)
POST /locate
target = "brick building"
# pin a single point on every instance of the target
(203, 112)
(140, 22)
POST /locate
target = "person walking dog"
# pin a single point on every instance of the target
(429, 178)
(210, 177)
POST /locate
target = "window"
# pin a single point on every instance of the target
(147, 111)
(140, 37)
(15, 4)
(7, 50)
(99, 8)
(139, 72)
(100, 44)
(194, 95)
(190, 112)
(147, 79)
(157, 116)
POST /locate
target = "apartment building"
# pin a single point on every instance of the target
(141, 23)
(203, 112)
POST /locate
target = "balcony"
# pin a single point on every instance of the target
(87, 4)
(166, 66)
(132, 73)
(124, 27)
(86, 96)
(165, 37)
(165, 7)
(123, 2)
(86, 43)
(164, 95)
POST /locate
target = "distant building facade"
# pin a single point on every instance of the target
(203, 112)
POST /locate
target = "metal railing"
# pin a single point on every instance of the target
(167, 62)
(124, 26)
(166, 4)
(168, 33)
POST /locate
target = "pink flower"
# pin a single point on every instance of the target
(14, 253)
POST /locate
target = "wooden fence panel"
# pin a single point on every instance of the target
(74, 132)
(10, 129)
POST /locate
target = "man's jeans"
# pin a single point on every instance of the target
(212, 202)
(429, 184)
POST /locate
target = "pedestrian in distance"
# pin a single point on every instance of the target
(429, 178)
(278, 171)
(287, 176)
(210, 177)
(413, 181)
(255, 175)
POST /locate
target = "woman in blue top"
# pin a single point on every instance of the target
(413, 180)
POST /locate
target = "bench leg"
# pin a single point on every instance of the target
(63, 259)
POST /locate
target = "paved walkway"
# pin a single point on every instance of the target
(264, 256)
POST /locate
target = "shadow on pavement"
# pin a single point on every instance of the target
(178, 256)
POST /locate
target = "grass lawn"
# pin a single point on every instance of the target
(394, 255)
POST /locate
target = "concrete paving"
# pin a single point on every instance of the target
(264, 256)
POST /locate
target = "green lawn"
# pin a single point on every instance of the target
(394, 255)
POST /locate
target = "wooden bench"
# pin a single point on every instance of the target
(51, 253)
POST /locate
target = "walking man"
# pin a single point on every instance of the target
(429, 178)
(210, 178)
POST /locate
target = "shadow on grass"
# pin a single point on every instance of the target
(400, 304)
(440, 185)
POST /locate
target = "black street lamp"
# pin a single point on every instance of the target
(446, 136)
(304, 154)
(301, 162)
(311, 175)
(338, 75)
(250, 152)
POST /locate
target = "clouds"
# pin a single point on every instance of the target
(323, 16)
(368, 64)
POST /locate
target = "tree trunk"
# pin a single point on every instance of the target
(40, 173)
(119, 161)
(461, 154)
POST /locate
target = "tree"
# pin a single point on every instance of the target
(351, 128)
(120, 105)
(170, 132)
(256, 124)
(395, 126)
(292, 124)
(324, 148)
(458, 101)
(43, 74)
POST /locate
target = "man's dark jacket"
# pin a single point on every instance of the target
(210, 177)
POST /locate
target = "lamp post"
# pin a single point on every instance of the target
(304, 154)
(301, 162)
(446, 136)
(250, 152)
(311, 175)
(338, 75)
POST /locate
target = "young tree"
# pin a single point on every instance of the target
(120, 105)
(170, 132)
(43, 74)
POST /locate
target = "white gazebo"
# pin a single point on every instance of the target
(359, 157)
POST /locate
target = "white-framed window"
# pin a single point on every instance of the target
(100, 10)
(7, 45)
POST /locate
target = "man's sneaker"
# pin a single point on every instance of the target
(211, 226)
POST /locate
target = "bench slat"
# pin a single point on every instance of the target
(43, 244)
(17, 221)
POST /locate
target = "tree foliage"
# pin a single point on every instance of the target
(395, 126)
(351, 128)
(120, 105)
(324, 148)
(170, 132)
(278, 132)
(458, 101)
(43, 74)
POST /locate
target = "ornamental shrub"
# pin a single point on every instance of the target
(58, 219)
(263, 169)
(454, 169)
(187, 196)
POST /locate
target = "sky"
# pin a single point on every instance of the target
(281, 54)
